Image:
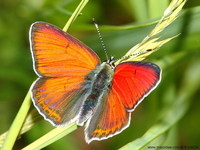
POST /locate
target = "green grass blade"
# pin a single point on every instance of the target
(75, 14)
(30, 121)
(51, 137)
(17, 123)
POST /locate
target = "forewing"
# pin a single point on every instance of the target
(59, 99)
(133, 81)
(57, 54)
(109, 119)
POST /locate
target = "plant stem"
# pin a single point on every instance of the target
(17, 123)
(75, 14)
(51, 137)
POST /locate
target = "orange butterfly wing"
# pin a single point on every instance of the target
(109, 119)
(57, 99)
(135, 80)
(57, 54)
(132, 81)
(62, 62)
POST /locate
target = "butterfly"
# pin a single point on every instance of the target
(73, 86)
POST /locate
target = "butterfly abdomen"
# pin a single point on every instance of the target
(100, 85)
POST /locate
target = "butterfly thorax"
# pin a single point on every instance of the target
(102, 77)
(99, 81)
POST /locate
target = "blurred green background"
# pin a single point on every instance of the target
(123, 24)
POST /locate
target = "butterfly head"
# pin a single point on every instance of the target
(111, 62)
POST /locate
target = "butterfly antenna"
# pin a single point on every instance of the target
(100, 37)
(135, 54)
